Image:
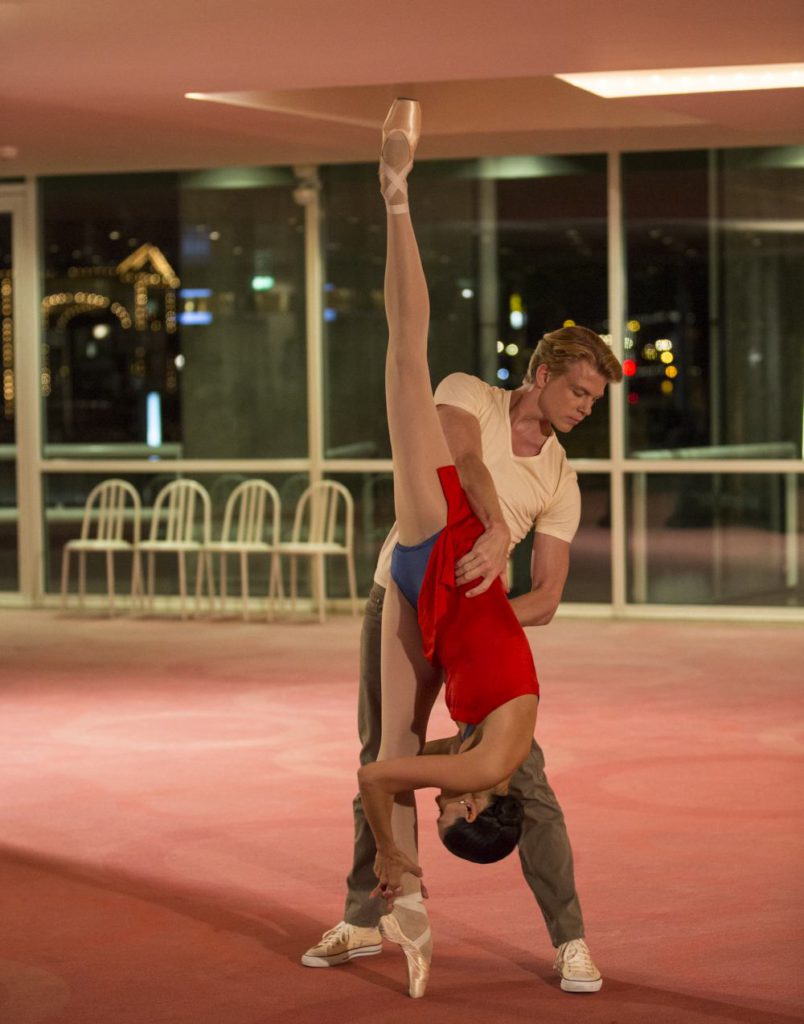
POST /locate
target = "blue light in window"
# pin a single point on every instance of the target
(330, 315)
(195, 293)
(153, 419)
(503, 374)
(197, 316)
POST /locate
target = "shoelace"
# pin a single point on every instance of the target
(335, 935)
(577, 957)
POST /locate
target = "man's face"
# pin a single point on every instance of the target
(567, 399)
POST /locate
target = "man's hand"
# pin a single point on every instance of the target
(487, 560)
(389, 867)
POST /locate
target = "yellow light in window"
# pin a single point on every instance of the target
(667, 387)
(633, 325)
(569, 323)
(666, 357)
(670, 371)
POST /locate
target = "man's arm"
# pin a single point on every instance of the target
(549, 567)
(489, 556)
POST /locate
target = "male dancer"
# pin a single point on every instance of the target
(516, 476)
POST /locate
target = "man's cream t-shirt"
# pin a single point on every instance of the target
(534, 490)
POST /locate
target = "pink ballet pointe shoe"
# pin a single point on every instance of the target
(404, 119)
(418, 950)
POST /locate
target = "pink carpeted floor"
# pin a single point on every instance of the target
(175, 826)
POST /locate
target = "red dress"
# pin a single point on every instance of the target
(478, 641)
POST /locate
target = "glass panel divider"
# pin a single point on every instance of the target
(616, 276)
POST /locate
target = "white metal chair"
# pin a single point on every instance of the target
(187, 513)
(248, 507)
(325, 513)
(109, 506)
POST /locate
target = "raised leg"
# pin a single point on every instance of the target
(418, 447)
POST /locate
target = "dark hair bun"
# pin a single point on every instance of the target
(491, 836)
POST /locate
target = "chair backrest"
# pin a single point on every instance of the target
(322, 509)
(245, 517)
(184, 499)
(107, 509)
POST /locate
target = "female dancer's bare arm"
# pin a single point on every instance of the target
(507, 735)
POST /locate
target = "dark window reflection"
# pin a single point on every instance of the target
(172, 304)
(511, 249)
(714, 341)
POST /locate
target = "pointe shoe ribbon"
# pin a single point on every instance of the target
(404, 118)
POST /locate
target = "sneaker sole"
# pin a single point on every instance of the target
(340, 958)
(581, 986)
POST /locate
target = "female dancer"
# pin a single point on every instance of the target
(491, 685)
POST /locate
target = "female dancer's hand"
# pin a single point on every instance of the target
(487, 560)
(389, 867)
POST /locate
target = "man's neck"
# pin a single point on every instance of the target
(529, 428)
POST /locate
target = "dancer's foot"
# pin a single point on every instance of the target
(575, 965)
(400, 136)
(341, 943)
(408, 925)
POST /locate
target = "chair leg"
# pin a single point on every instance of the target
(65, 576)
(199, 581)
(320, 587)
(272, 587)
(350, 568)
(136, 580)
(223, 583)
(293, 581)
(151, 581)
(110, 580)
(244, 583)
(210, 581)
(183, 585)
(82, 578)
(280, 581)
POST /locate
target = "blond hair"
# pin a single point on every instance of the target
(559, 349)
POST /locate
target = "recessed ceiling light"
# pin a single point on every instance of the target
(675, 81)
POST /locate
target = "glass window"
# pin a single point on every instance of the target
(7, 394)
(715, 337)
(511, 248)
(8, 465)
(589, 577)
(174, 313)
(702, 538)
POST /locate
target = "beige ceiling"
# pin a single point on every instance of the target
(98, 85)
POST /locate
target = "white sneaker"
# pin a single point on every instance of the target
(341, 943)
(574, 964)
